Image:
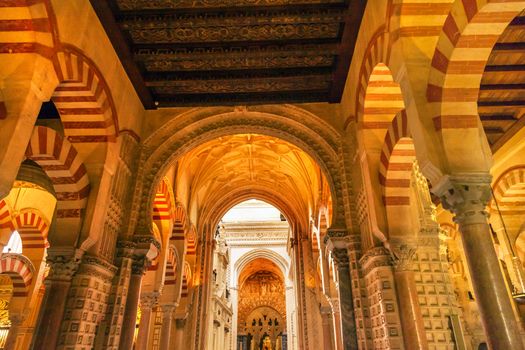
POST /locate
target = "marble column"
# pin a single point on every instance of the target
(165, 332)
(348, 327)
(467, 195)
(179, 333)
(414, 335)
(138, 269)
(147, 303)
(57, 283)
(16, 320)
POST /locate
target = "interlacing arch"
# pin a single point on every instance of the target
(20, 270)
(509, 191)
(396, 162)
(455, 74)
(5, 216)
(83, 98)
(375, 54)
(61, 162)
(171, 266)
(163, 202)
(33, 229)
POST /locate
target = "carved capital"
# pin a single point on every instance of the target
(149, 300)
(63, 264)
(180, 323)
(466, 195)
(168, 309)
(340, 257)
(125, 249)
(140, 264)
(402, 256)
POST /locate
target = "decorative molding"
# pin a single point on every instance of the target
(466, 195)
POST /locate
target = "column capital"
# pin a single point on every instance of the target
(63, 263)
(140, 264)
(402, 254)
(466, 195)
(340, 257)
(180, 322)
(169, 308)
(149, 299)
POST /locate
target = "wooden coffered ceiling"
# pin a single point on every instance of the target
(501, 102)
(217, 52)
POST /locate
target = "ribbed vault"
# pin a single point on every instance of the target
(216, 175)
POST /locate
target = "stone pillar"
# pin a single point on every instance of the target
(337, 330)
(62, 269)
(147, 302)
(414, 335)
(165, 333)
(326, 315)
(340, 256)
(138, 269)
(179, 333)
(467, 196)
(16, 321)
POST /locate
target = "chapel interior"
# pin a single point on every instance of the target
(262, 174)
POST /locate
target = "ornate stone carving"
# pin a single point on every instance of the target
(62, 267)
(140, 264)
(466, 195)
(149, 300)
(340, 257)
(402, 256)
(97, 267)
(177, 4)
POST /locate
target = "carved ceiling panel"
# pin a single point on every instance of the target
(184, 52)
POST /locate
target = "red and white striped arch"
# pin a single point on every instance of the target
(470, 30)
(375, 54)
(191, 248)
(186, 277)
(33, 229)
(396, 162)
(6, 221)
(162, 203)
(19, 270)
(83, 98)
(179, 225)
(26, 27)
(509, 190)
(171, 265)
(61, 162)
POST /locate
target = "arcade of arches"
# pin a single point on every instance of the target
(270, 174)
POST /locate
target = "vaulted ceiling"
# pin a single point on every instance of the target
(186, 52)
(226, 164)
(501, 103)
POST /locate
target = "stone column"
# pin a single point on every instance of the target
(138, 269)
(467, 195)
(414, 335)
(147, 303)
(62, 269)
(16, 321)
(340, 256)
(326, 314)
(165, 332)
(179, 333)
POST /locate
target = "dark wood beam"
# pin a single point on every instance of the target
(351, 27)
(516, 47)
(518, 21)
(505, 68)
(511, 103)
(211, 11)
(508, 134)
(105, 15)
(235, 74)
(497, 117)
(254, 98)
(500, 87)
